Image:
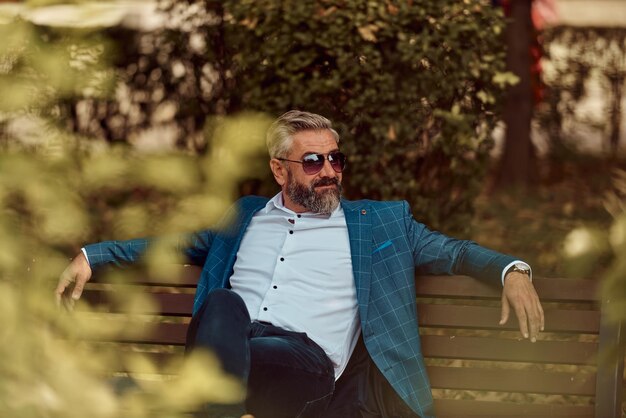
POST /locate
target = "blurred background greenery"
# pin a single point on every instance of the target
(125, 119)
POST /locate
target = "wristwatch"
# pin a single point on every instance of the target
(519, 268)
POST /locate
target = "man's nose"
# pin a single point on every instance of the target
(327, 170)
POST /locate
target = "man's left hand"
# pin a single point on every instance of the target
(520, 294)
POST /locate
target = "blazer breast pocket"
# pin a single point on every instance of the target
(383, 246)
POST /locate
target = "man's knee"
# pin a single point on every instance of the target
(222, 315)
(223, 301)
(223, 296)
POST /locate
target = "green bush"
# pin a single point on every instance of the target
(412, 87)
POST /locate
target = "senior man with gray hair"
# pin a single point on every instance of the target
(309, 299)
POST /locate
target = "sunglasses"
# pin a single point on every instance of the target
(313, 163)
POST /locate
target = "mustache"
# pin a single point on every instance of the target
(326, 181)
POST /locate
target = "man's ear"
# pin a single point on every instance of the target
(279, 170)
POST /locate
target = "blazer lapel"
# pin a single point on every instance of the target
(358, 219)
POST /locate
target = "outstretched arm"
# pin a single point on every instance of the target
(435, 253)
(195, 247)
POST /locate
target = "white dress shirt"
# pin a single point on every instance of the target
(295, 271)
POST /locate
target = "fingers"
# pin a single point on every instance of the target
(543, 318)
(520, 293)
(522, 319)
(531, 322)
(506, 309)
(78, 287)
(64, 281)
(68, 304)
(534, 313)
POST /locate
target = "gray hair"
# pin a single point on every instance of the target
(280, 133)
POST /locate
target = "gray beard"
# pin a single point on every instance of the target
(324, 202)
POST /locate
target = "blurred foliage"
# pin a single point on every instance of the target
(590, 250)
(57, 191)
(169, 79)
(614, 242)
(412, 86)
(577, 60)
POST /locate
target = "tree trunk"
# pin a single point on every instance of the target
(517, 161)
(617, 84)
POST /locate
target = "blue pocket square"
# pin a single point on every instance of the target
(383, 246)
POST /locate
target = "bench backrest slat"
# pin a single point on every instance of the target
(430, 315)
(550, 289)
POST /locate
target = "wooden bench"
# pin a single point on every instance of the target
(476, 367)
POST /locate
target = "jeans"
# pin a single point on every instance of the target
(287, 375)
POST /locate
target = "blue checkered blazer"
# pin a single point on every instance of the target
(388, 247)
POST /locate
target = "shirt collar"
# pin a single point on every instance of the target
(276, 203)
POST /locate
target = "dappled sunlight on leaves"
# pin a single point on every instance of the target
(617, 234)
(582, 248)
(591, 248)
(201, 379)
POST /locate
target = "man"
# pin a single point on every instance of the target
(310, 299)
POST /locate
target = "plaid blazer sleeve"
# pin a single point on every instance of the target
(194, 247)
(436, 253)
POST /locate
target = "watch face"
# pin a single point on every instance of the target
(523, 267)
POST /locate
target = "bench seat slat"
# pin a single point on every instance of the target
(167, 303)
(137, 332)
(182, 275)
(462, 378)
(499, 349)
(549, 289)
(557, 320)
(528, 381)
(452, 408)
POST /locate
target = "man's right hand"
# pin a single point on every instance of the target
(77, 272)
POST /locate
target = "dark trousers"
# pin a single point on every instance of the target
(286, 374)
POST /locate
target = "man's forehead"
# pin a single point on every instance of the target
(315, 141)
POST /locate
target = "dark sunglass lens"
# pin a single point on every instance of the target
(313, 163)
(337, 161)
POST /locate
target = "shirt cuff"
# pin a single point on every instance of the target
(511, 265)
(85, 254)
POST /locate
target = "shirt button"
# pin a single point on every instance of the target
(282, 259)
(291, 232)
(275, 287)
(265, 309)
(299, 216)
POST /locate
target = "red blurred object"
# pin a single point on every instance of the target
(543, 13)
